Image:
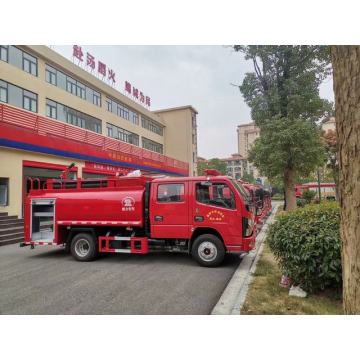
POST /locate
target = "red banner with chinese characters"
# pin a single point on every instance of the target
(105, 169)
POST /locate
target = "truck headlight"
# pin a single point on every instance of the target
(247, 229)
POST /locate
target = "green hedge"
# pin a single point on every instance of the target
(306, 243)
(300, 202)
(308, 195)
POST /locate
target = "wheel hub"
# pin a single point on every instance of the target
(82, 247)
(207, 251)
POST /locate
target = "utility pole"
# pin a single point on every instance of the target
(319, 187)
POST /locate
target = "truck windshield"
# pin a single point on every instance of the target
(242, 191)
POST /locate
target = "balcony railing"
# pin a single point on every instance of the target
(46, 126)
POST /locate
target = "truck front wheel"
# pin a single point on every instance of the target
(83, 247)
(208, 250)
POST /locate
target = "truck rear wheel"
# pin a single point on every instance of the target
(208, 250)
(83, 247)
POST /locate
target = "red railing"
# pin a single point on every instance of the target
(49, 127)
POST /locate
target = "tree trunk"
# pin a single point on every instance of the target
(289, 187)
(346, 67)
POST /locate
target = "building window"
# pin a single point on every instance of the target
(17, 96)
(135, 118)
(152, 145)
(72, 119)
(122, 134)
(122, 111)
(71, 85)
(152, 125)
(75, 118)
(194, 121)
(109, 105)
(170, 193)
(50, 75)
(76, 88)
(97, 127)
(51, 110)
(71, 116)
(65, 82)
(29, 101)
(96, 98)
(3, 92)
(80, 91)
(4, 53)
(29, 64)
(19, 58)
(4, 191)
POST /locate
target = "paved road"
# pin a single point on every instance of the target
(48, 281)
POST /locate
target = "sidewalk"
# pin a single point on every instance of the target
(234, 295)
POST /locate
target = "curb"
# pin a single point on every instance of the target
(234, 295)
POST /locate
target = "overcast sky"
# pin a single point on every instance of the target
(187, 75)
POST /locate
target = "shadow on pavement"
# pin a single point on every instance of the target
(161, 257)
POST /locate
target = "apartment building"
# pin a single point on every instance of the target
(247, 134)
(236, 166)
(181, 133)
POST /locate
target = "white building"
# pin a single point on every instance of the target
(236, 166)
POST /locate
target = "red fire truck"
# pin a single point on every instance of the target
(261, 199)
(203, 216)
(327, 190)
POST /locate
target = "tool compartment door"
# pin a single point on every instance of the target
(169, 210)
(43, 220)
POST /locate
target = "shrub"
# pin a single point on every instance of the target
(300, 202)
(308, 195)
(306, 243)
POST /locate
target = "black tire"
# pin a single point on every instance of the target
(67, 247)
(83, 247)
(208, 250)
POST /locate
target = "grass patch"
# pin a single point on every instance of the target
(266, 297)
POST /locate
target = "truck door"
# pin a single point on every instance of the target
(169, 210)
(215, 207)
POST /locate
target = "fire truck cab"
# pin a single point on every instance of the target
(261, 199)
(203, 216)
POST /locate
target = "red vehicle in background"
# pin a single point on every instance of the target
(261, 199)
(267, 204)
(204, 216)
(327, 190)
